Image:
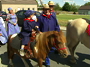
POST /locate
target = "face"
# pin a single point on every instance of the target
(46, 11)
(11, 11)
(30, 16)
(60, 45)
(51, 7)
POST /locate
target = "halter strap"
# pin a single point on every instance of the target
(62, 48)
(59, 48)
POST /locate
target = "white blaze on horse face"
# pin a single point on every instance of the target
(36, 49)
(14, 35)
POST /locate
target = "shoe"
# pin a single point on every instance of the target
(22, 53)
(47, 65)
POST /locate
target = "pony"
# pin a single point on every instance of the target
(44, 42)
(75, 33)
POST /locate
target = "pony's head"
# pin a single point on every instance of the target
(58, 40)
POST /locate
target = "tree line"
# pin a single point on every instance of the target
(68, 7)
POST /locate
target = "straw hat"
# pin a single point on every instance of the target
(45, 6)
(51, 3)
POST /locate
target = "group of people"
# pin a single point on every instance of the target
(47, 21)
(12, 26)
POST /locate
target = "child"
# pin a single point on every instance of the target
(28, 27)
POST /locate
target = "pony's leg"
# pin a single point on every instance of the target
(40, 62)
(11, 63)
(25, 63)
(72, 46)
(10, 57)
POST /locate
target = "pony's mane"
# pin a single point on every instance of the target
(62, 37)
(43, 42)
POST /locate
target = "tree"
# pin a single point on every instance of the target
(74, 7)
(57, 7)
(86, 4)
(66, 7)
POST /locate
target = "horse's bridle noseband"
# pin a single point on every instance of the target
(59, 47)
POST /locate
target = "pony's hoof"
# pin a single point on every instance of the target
(73, 61)
(47, 65)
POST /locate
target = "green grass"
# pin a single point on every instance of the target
(63, 19)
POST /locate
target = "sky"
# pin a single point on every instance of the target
(61, 2)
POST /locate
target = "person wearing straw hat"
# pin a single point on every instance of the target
(12, 23)
(47, 22)
(51, 6)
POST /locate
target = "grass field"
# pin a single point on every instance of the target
(63, 19)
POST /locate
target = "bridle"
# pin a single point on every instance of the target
(58, 48)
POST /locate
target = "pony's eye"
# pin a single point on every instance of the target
(59, 42)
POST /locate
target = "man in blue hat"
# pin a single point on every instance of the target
(28, 27)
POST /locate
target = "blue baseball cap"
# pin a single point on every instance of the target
(28, 13)
(10, 9)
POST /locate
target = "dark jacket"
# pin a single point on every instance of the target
(27, 27)
(48, 23)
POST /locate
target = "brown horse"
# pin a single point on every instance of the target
(44, 42)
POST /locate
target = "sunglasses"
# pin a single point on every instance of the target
(51, 5)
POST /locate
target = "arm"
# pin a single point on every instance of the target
(8, 19)
(39, 23)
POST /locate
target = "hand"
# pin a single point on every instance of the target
(36, 26)
(15, 24)
(33, 30)
(0, 34)
(40, 32)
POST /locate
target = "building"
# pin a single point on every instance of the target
(18, 5)
(84, 10)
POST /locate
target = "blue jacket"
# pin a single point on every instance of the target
(53, 13)
(48, 24)
(27, 27)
